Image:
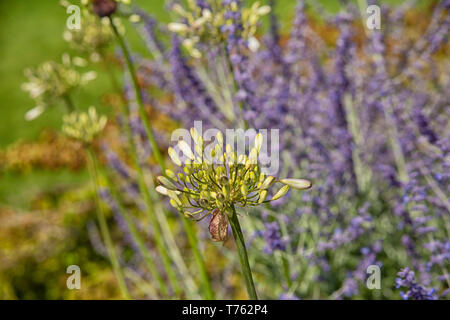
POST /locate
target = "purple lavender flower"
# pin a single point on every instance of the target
(287, 296)
(415, 291)
(272, 236)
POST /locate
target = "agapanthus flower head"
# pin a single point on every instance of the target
(216, 181)
(94, 36)
(206, 23)
(52, 81)
(83, 126)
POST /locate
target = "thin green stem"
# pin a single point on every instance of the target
(286, 270)
(112, 78)
(150, 209)
(68, 102)
(159, 158)
(144, 251)
(93, 166)
(158, 236)
(399, 157)
(362, 172)
(173, 249)
(209, 295)
(139, 101)
(242, 252)
(236, 87)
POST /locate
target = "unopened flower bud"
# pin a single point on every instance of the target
(104, 8)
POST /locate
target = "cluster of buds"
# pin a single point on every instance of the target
(215, 184)
(208, 23)
(93, 38)
(52, 81)
(83, 126)
(248, 22)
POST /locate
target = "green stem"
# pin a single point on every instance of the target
(144, 251)
(399, 157)
(198, 258)
(242, 252)
(286, 270)
(69, 104)
(104, 227)
(158, 155)
(362, 172)
(236, 87)
(112, 78)
(140, 174)
(139, 101)
(150, 209)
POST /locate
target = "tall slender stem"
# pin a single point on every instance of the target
(286, 270)
(139, 101)
(144, 251)
(187, 227)
(158, 236)
(68, 102)
(112, 78)
(236, 87)
(242, 252)
(104, 227)
(209, 295)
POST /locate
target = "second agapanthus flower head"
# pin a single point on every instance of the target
(211, 21)
(218, 182)
(84, 126)
(51, 82)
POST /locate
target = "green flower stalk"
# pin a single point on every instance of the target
(104, 230)
(142, 112)
(85, 126)
(143, 187)
(52, 82)
(215, 184)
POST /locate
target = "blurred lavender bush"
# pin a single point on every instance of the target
(364, 114)
(366, 119)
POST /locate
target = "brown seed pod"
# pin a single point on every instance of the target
(104, 8)
(218, 226)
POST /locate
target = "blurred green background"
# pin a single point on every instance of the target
(31, 33)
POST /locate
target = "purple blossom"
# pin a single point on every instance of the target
(272, 236)
(406, 279)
